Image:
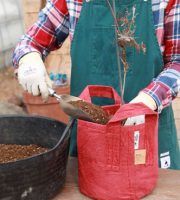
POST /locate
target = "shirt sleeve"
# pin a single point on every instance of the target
(166, 86)
(47, 34)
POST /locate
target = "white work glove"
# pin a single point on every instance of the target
(32, 75)
(145, 99)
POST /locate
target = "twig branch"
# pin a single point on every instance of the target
(124, 38)
(118, 52)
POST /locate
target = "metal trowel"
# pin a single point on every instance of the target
(68, 108)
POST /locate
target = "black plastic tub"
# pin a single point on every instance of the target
(39, 177)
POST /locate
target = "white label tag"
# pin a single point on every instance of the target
(136, 139)
(164, 154)
(165, 162)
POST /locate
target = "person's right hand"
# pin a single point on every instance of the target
(146, 100)
(32, 75)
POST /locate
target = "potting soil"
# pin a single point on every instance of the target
(97, 113)
(13, 152)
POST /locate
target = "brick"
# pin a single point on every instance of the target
(176, 109)
(29, 19)
(176, 103)
(178, 127)
(30, 6)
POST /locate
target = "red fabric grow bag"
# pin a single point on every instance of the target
(111, 167)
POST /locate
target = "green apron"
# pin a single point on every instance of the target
(94, 61)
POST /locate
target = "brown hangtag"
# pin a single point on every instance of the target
(140, 156)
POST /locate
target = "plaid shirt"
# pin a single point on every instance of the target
(58, 20)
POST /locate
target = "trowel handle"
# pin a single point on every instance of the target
(52, 93)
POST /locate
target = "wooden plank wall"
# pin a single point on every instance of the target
(59, 61)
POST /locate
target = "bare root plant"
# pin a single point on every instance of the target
(125, 29)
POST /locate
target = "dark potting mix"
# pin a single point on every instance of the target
(14, 152)
(96, 113)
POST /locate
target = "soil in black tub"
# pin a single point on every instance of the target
(14, 152)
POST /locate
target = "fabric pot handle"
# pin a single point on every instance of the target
(100, 91)
(131, 110)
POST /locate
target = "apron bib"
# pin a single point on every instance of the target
(94, 61)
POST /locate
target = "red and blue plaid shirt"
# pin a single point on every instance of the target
(58, 20)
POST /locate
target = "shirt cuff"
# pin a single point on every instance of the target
(160, 94)
(19, 53)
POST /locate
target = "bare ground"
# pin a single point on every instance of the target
(11, 93)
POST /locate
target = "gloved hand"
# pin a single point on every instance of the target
(32, 75)
(145, 99)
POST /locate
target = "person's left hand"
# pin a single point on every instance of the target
(145, 99)
(33, 76)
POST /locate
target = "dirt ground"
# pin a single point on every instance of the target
(9, 85)
(11, 93)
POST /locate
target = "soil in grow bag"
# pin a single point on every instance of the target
(13, 152)
(95, 112)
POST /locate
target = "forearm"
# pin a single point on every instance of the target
(47, 34)
(24, 47)
(164, 88)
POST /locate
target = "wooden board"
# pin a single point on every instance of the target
(168, 186)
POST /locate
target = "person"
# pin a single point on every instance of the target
(153, 78)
